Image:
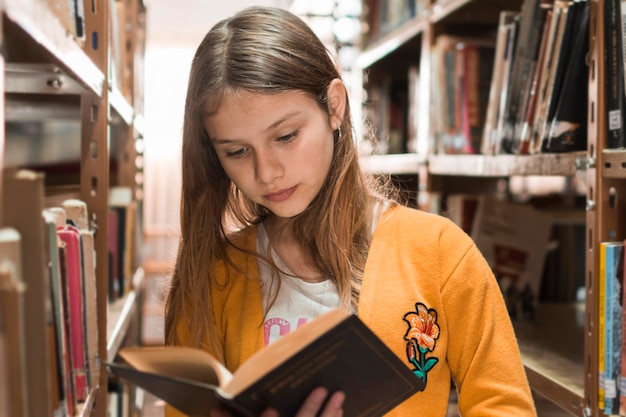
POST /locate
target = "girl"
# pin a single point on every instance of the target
(279, 224)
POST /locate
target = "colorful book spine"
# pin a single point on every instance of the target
(622, 379)
(70, 235)
(614, 272)
(601, 325)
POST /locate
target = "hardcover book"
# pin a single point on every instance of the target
(336, 351)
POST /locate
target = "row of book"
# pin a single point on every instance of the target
(48, 298)
(612, 344)
(383, 16)
(520, 92)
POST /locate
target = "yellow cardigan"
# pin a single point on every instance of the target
(429, 294)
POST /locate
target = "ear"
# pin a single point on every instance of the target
(337, 97)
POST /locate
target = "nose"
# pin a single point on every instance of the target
(267, 167)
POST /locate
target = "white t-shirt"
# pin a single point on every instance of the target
(297, 301)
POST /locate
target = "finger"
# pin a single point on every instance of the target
(313, 403)
(270, 412)
(334, 407)
(218, 412)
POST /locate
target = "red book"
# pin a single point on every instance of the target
(70, 235)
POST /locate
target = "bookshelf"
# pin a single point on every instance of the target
(73, 81)
(560, 348)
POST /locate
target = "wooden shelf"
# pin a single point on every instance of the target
(391, 41)
(614, 163)
(121, 106)
(553, 353)
(565, 164)
(408, 163)
(45, 30)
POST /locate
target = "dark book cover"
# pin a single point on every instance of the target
(614, 79)
(568, 118)
(532, 17)
(346, 357)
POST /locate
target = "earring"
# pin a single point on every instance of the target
(338, 132)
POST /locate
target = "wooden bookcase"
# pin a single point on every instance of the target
(95, 80)
(560, 353)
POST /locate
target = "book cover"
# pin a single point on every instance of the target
(553, 37)
(70, 235)
(497, 137)
(601, 324)
(614, 78)
(12, 331)
(499, 67)
(622, 376)
(515, 252)
(567, 118)
(23, 212)
(529, 118)
(76, 211)
(614, 278)
(336, 350)
(524, 62)
(115, 291)
(61, 337)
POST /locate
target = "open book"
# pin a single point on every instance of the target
(336, 351)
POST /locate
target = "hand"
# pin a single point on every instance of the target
(310, 407)
(313, 404)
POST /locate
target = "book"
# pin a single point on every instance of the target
(23, 212)
(13, 400)
(622, 375)
(336, 351)
(490, 130)
(60, 317)
(70, 235)
(511, 28)
(601, 324)
(614, 279)
(566, 117)
(614, 78)
(529, 118)
(466, 64)
(545, 84)
(531, 19)
(515, 252)
(76, 211)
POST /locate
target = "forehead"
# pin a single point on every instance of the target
(253, 111)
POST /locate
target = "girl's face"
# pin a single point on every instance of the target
(276, 148)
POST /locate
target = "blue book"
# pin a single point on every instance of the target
(614, 272)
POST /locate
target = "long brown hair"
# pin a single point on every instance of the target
(261, 50)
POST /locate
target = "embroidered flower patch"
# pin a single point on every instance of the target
(421, 338)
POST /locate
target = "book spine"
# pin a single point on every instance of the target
(13, 393)
(601, 324)
(70, 236)
(614, 77)
(522, 72)
(622, 377)
(614, 268)
(23, 211)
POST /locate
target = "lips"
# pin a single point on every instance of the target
(280, 195)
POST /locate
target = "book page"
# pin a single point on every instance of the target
(278, 352)
(181, 362)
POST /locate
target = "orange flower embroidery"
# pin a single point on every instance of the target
(421, 337)
(423, 326)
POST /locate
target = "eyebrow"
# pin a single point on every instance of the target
(277, 123)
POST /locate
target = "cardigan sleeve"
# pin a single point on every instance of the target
(483, 353)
